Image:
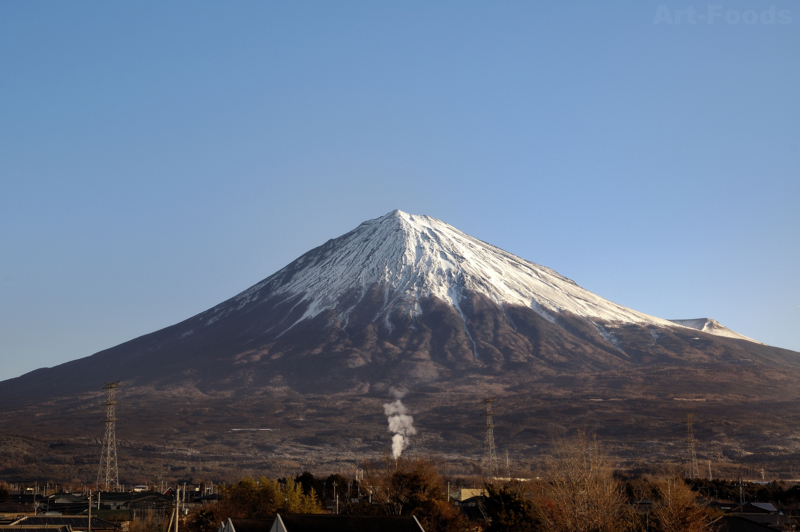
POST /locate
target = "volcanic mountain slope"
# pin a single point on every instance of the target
(401, 298)
(408, 301)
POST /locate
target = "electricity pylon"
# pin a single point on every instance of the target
(108, 474)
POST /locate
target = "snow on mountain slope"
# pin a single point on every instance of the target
(419, 256)
(712, 327)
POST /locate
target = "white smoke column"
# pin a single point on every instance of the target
(400, 423)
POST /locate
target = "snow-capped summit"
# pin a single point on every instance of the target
(413, 256)
(416, 256)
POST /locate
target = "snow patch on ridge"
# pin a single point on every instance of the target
(608, 337)
(712, 327)
(654, 334)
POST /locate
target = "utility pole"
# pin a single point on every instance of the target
(741, 496)
(692, 471)
(177, 506)
(90, 511)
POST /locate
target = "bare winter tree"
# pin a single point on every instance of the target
(676, 509)
(412, 486)
(583, 494)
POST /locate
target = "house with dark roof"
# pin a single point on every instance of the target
(15, 508)
(323, 522)
(758, 508)
(246, 525)
(737, 523)
(30, 528)
(760, 512)
(76, 523)
(473, 508)
(344, 523)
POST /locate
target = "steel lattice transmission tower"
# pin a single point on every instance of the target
(108, 474)
(692, 469)
(490, 468)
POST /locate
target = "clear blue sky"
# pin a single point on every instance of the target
(157, 158)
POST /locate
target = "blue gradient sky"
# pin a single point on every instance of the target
(157, 158)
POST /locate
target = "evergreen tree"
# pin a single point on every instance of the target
(309, 483)
(510, 511)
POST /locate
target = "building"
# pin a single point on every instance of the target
(344, 523)
(324, 523)
(75, 523)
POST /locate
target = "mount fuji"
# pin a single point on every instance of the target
(401, 298)
(410, 301)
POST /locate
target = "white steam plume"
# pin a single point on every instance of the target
(400, 423)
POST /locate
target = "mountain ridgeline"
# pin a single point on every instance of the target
(402, 299)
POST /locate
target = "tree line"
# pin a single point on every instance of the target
(579, 493)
